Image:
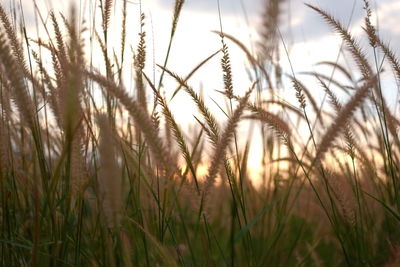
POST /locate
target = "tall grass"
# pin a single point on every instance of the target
(94, 175)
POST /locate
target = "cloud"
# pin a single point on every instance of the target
(228, 7)
(309, 25)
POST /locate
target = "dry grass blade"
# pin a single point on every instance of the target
(350, 142)
(213, 129)
(177, 12)
(110, 181)
(139, 63)
(199, 66)
(276, 123)
(369, 28)
(285, 106)
(335, 65)
(123, 35)
(4, 137)
(353, 46)
(171, 123)
(142, 120)
(226, 69)
(269, 28)
(12, 36)
(227, 135)
(300, 87)
(299, 93)
(249, 56)
(342, 118)
(11, 70)
(394, 62)
(104, 52)
(61, 50)
(341, 86)
(107, 13)
(51, 97)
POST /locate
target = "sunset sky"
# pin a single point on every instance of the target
(308, 37)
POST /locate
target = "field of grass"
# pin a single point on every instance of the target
(94, 174)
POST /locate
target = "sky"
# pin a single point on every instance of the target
(308, 38)
(303, 30)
